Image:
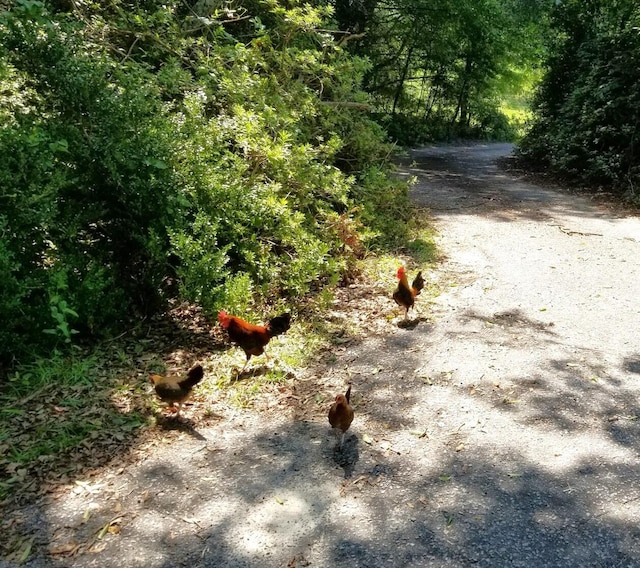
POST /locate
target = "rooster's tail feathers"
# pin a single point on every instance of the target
(195, 374)
(418, 283)
(279, 324)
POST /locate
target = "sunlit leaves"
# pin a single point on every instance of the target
(445, 64)
(152, 151)
(586, 112)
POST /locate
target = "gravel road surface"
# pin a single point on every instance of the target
(500, 429)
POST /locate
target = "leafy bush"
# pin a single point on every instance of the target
(86, 183)
(135, 154)
(586, 119)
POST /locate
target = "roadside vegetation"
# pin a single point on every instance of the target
(586, 111)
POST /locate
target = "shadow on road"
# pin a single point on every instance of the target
(464, 179)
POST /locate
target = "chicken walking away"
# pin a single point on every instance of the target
(174, 390)
(341, 414)
(253, 338)
(405, 295)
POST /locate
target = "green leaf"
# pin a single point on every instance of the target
(158, 164)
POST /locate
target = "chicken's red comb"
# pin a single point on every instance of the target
(400, 272)
(223, 316)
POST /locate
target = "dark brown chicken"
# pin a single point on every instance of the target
(175, 390)
(405, 295)
(341, 414)
(253, 338)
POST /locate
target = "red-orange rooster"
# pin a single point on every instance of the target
(341, 413)
(405, 295)
(253, 338)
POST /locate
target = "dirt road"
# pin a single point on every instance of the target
(500, 431)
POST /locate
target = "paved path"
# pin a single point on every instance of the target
(500, 431)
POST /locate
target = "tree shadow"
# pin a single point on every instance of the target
(632, 364)
(263, 509)
(514, 319)
(471, 178)
(268, 494)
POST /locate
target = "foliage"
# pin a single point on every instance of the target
(586, 112)
(86, 188)
(150, 150)
(440, 69)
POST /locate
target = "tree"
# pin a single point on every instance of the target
(447, 62)
(586, 112)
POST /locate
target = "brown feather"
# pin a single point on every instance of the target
(176, 389)
(252, 338)
(341, 412)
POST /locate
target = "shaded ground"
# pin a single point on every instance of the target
(499, 430)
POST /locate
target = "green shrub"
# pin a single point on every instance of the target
(585, 125)
(135, 155)
(86, 181)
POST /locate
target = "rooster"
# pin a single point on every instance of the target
(253, 338)
(405, 295)
(341, 414)
(175, 390)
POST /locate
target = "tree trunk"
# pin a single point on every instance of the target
(405, 70)
(463, 98)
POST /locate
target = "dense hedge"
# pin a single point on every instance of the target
(148, 151)
(588, 106)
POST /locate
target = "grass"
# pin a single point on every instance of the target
(50, 407)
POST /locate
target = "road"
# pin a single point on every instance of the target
(499, 431)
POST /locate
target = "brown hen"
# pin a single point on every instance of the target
(175, 390)
(341, 414)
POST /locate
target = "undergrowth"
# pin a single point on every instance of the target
(61, 413)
